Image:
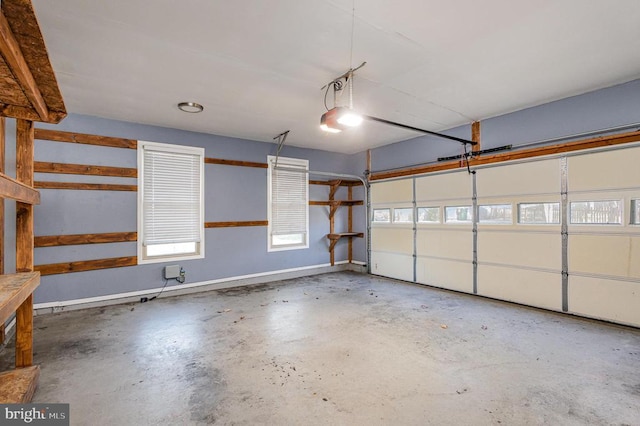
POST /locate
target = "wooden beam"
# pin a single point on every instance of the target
(208, 160)
(2, 160)
(475, 136)
(334, 238)
(81, 138)
(235, 224)
(12, 55)
(335, 184)
(77, 239)
(86, 265)
(24, 26)
(24, 151)
(26, 113)
(85, 186)
(517, 155)
(24, 211)
(24, 333)
(84, 169)
(24, 241)
(350, 223)
(18, 386)
(24, 237)
(332, 211)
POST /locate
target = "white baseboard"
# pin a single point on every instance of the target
(219, 284)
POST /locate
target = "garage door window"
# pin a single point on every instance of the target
(596, 212)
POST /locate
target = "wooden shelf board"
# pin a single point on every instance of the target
(336, 203)
(18, 386)
(11, 188)
(14, 289)
(329, 183)
(345, 234)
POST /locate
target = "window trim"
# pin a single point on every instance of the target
(178, 149)
(293, 162)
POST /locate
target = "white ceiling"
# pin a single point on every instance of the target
(257, 66)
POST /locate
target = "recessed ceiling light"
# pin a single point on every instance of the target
(191, 107)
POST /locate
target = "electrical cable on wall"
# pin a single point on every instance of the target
(181, 279)
(166, 281)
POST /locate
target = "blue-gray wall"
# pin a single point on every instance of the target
(232, 194)
(239, 193)
(601, 109)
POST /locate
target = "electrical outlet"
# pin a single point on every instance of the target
(172, 272)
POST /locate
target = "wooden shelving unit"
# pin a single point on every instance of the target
(17, 386)
(16, 290)
(28, 93)
(334, 204)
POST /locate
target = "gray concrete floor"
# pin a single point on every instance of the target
(338, 349)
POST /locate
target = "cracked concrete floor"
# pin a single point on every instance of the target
(339, 349)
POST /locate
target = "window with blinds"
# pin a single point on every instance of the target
(288, 204)
(170, 202)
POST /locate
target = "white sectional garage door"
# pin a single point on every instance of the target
(444, 238)
(560, 233)
(519, 233)
(604, 235)
(392, 240)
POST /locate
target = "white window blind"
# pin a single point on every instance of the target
(288, 204)
(171, 200)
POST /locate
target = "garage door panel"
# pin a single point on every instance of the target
(447, 274)
(604, 170)
(392, 265)
(455, 244)
(535, 250)
(534, 288)
(445, 186)
(517, 179)
(396, 240)
(392, 192)
(611, 300)
(613, 255)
